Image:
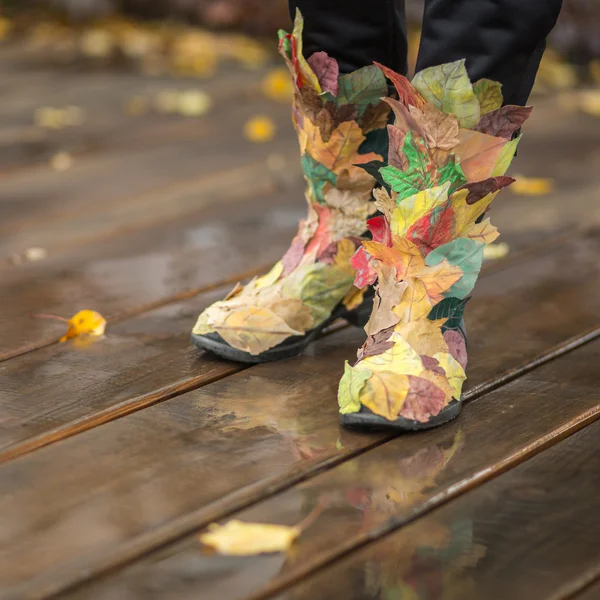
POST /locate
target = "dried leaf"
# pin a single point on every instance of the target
(384, 202)
(354, 298)
(291, 259)
(345, 250)
(400, 358)
(376, 116)
(408, 95)
(351, 385)
(423, 336)
(365, 273)
(362, 87)
(468, 214)
(384, 393)
(411, 209)
(377, 343)
(306, 75)
(404, 120)
(318, 176)
(254, 329)
(449, 89)
(455, 374)
(532, 186)
(396, 156)
(489, 94)
(504, 122)
(480, 189)
(269, 278)
(482, 232)
(415, 303)
(85, 322)
(457, 346)
(380, 230)
(388, 294)
(506, 157)
(327, 71)
(478, 154)
(451, 310)
(294, 313)
(441, 130)
(237, 538)
(422, 401)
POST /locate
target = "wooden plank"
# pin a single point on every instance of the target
(368, 496)
(32, 204)
(265, 428)
(590, 592)
(530, 533)
(135, 270)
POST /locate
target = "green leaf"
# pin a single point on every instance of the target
(464, 253)
(489, 94)
(317, 176)
(286, 45)
(506, 156)
(452, 309)
(453, 173)
(449, 89)
(351, 384)
(361, 88)
(418, 175)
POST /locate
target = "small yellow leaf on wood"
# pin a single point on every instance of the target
(277, 86)
(237, 538)
(85, 322)
(532, 186)
(495, 251)
(259, 129)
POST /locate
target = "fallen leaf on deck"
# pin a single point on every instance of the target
(495, 251)
(532, 186)
(259, 129)
(85, 322)
(193, 103)
(237, 538)
(276, 85)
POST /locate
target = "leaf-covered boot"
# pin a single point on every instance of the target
(341, 122)
(449, 149)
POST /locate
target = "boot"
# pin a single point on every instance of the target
(449, 149)
(341, 122)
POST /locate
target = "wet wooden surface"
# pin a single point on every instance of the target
(117, 451)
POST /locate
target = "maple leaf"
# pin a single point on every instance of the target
(388, 294)
(441, 130)
(482, 232)
(433, 229)
(423, 400)
(384, 203)
(327, 71)
(455, 374)
(489, 94)
(504, 122)
(423, 336)
(449, 89)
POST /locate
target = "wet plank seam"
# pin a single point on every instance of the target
(247, 496)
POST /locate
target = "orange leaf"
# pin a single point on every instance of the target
(85, 322)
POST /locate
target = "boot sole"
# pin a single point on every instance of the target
(368, 421)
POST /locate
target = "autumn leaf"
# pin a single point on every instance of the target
(468, 214)
(480, 189)
(478, 154)
(254, 329)
(433, 229)
(455, 374)
(85, 322)
(351, 384)
(404, 120)
(306, 73)
(415, 302)
(318, 177)
(237, 538)
(365, 273)
(449, 89)
(423, 400)
(362, 87)
(451, 309)
(354, 298)
(532, 186)
(377, 343)
(293, 312)
(504, 122)
(457, 346)
(423, 336)
(291, 259)
(408, 95)
(489, 94)
(441, 130)
(506, 157)
(380, 230)
(327, 71)
(375, 117)
(388, 294)
(384, 393)
(396, 156)
(411, 209)
(400, 358)
(384, 202)
(270, 278)
(482, 232)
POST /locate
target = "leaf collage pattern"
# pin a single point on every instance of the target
(333, 114)
(448, 153)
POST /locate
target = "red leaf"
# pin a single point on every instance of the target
(291, 259)
(322, 237)
(432, 364)
(504, 122)
(365, 273)
(424, 400)
(456, 346)
(407, 94)
(428, 235)
(480, 189)
(327, 71)
(380, 230)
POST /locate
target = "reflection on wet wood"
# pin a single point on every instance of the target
(591, 591)
(530, 533)
(368, 496)
(133, 271)
(266, 428)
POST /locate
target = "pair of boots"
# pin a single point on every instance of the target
(433, 174)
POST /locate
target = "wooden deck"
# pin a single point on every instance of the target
(116, 453)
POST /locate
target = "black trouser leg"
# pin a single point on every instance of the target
(502, 40)
(355, 32)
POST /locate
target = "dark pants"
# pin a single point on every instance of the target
(502, 40)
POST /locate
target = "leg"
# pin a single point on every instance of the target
(355, 32)
(502, 40)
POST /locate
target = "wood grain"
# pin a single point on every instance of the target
(530, 533)
(112, 493)
(367, 496)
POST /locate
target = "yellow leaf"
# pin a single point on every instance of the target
(410, 210)
(354, 298)
(307, 72)
(479, 154)
(424, 336)
(400, 358)
(415, 303)
(85, 322)
(277, 86)
(532, 186)
(270, 278)
(345, 251)
(495, 251)
(439, 279)
(467, 214)
(237, 538)
(385, 392)
(259, 129)
(482, 232)
(294, 313)
(193, 103)
(454, 372)
(505, 158)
